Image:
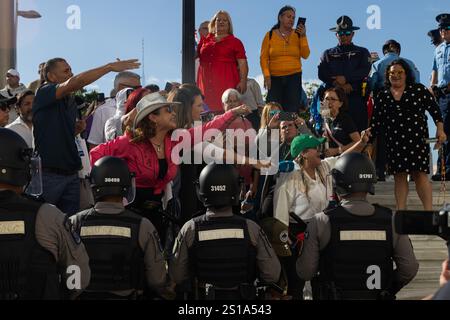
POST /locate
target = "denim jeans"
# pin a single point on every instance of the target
(62, 191)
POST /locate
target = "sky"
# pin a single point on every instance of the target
(111, 29)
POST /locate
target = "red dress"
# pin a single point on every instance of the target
(218, 69)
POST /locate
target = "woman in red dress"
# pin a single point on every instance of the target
(223, 63)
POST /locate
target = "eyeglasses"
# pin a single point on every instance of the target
(344, 33)
(331, 99)
(396, 73)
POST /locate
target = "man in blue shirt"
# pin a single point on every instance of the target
(347, 66)
(440, 78)
(391, 51)
(55, 127)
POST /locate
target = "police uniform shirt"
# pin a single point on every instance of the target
(319, 233)
(350, 61)
(441, 64)
(268, 264)
(54, 233)
(154, 263)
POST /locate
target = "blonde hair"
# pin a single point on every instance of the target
(212, 24)
(265, 116)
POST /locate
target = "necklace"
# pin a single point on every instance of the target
(158, 146)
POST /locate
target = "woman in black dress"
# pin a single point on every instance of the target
(400, 108)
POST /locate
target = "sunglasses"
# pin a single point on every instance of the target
(344, 33)
(274, 113)
(396, 73)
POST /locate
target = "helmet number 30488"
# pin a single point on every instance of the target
(222, 188)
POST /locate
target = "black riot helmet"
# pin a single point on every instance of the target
(218, 186)
(15, 159)
(110, 177)
(354, 172)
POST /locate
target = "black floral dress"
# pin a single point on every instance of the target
(406, 127)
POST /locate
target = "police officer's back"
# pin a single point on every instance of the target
(36, 241)
(220, 253)
(124, 248)
(353, 246)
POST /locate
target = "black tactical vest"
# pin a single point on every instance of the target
(357, 263)
(27, 270)
(222, 253)
(115, 257)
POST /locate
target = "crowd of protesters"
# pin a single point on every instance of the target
(136, 123)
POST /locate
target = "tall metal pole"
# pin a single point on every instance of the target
(188, 196)
(8, 37)
(188, 68)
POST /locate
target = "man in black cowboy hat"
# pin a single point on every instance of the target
(440, 78)
(346, 66)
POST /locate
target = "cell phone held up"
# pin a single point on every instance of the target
(301, 21)
(288, 116)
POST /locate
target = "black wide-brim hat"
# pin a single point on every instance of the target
(344, 23)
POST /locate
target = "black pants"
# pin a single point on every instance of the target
(358, 110)
(287, 91)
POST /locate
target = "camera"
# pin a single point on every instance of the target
(424, 222)
(288, 116)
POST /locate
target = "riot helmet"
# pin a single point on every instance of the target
(354, 172)
(15, 159)
(218, 186)
(110, 177)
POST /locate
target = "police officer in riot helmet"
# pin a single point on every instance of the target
(123, 247)
(38, 246)
(353, 246)
(221, 254)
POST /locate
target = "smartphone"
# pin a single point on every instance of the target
(288, 116)
(168, 87)
(300, 21)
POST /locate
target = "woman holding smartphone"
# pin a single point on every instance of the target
(281, 53)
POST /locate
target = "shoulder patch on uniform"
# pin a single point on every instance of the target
(69, 226)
